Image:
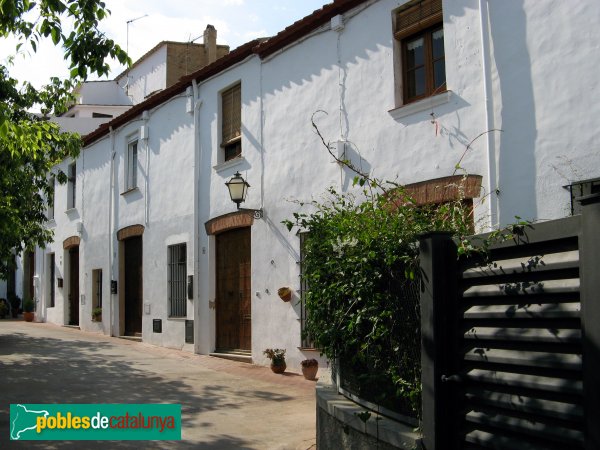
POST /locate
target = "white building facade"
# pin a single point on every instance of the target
(153, 238)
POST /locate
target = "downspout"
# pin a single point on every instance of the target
(144, 138)
(110, 231)
(196, 233)
(489, 117)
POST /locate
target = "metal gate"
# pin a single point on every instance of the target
(510, 343)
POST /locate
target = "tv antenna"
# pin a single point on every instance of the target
(127, 50)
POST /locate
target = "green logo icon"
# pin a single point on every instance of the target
(33, 422)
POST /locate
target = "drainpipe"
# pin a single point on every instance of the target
(196, 233)
(110, 228)
(144, 138)
(489, 116)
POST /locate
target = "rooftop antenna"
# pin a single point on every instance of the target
(127, 50)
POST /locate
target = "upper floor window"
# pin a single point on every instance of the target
(71, 185)
(420, 33)
(131, 162)
(231, 122)
(50, 198)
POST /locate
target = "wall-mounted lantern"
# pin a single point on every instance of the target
(238, 188)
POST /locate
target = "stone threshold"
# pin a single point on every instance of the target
(233, 356)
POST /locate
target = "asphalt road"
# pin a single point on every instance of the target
(225, 404)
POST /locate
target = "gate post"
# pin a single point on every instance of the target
(589, 248)
(438, 312)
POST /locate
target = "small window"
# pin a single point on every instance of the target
(231, 122)
(131, 162)
(51, 280)
(176, 280)
(97, 115)
(50, 198)
(97, 288)
(71, 185)
(420, 32)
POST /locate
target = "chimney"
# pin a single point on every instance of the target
(210, 44)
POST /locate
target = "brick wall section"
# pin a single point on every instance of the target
(445, 189)
(71, 242)
(184, 59)
(229, 221)
(130, 231)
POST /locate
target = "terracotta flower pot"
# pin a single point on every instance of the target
(278, 368)
(285, 293)
(310, 372)
(28, 316)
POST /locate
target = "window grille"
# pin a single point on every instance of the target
(176, 280)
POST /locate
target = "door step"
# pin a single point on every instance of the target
(75, 327)
(245, 357)
(131, 338)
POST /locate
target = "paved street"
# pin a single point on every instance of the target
(225, 404)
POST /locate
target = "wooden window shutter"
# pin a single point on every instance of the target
(232, 114)
(417, 16)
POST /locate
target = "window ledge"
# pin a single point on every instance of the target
(229, 164)
(128, 191)
(420, 105)
(70, 210)
(177, 319)
(51, 223)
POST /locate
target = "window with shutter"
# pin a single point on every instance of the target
(419, 29)
(231, 122)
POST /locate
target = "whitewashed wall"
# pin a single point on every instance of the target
(146, 77)
(549, 138)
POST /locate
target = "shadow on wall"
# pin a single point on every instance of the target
(516, 147)
(86, 373)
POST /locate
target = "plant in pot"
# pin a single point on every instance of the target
(277, 357)
(15, 304)
(28, 306)
(310, 368)
(285, 293)
(97, 314)
(3, 308)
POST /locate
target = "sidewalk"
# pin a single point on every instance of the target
(225, 404)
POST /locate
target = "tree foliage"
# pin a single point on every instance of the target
(362, 271)
(30, 145)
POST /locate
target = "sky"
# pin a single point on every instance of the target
(236, 21)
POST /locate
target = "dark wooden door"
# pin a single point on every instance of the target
(133, 286)
(74, 286)
(233, 290)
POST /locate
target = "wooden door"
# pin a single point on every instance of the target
(74, 286)
(233, 290)
(133, 286)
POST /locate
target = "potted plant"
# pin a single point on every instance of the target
(277, 357)
(3, 308)
(97, 314)
(15, 304)
(310, 368)
(285, 293)
(28, 306)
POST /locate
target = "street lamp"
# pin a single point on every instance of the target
(238, 188)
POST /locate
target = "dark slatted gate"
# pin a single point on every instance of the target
(508, 362)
